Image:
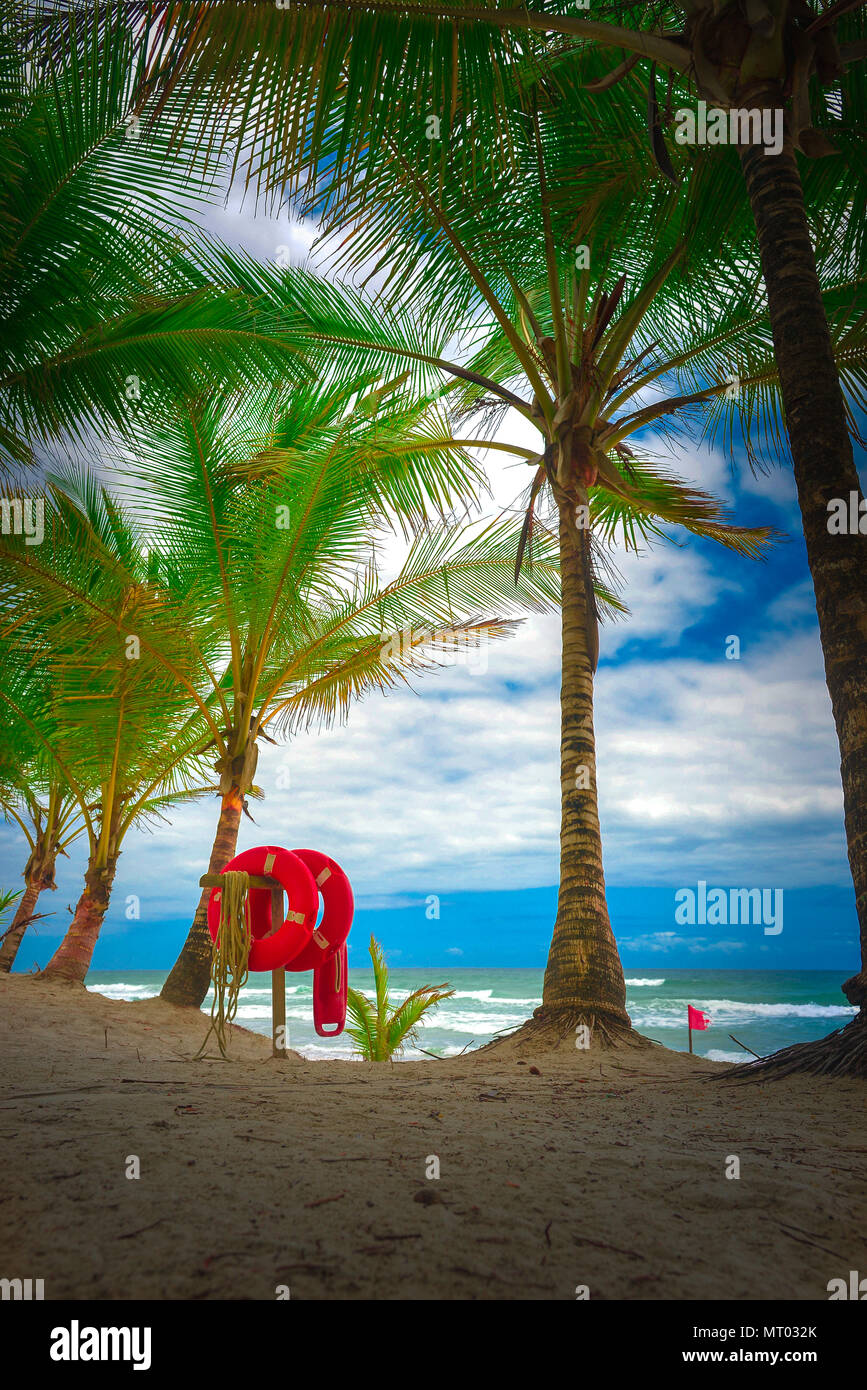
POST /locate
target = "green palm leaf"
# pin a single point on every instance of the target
(379, 1033)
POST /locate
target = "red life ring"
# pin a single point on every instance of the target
(273, 952)
(329, 994)
(338, 907)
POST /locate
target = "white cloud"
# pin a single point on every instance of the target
(777, 486)
(794, 607)
(726, 771)
(662, 941)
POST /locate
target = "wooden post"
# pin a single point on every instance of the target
(278, 1011)
(278, 982)
(278, 977)
(256, 881)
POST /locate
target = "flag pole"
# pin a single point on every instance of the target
(689, 1026)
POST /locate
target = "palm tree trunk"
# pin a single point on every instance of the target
(190, 976)
(583, 978)
(71, 960)
(13, 938)
(824, 469)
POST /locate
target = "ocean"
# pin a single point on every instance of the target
(764, 1009)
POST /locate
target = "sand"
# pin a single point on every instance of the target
(605, 1170)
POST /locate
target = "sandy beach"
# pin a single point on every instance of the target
(598, 1169)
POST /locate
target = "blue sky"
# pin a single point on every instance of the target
(709, 769)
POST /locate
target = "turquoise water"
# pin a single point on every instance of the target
(766, 1010)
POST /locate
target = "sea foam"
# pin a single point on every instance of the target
(129, 993)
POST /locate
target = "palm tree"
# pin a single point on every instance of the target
(107, 310)
(7, 899)
(571, 351)
(380, 1033)
(84, 611)
(279, 533)
(376, 69)
(35, 798)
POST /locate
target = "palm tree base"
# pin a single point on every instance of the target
(842, 1053)
(557, 1029)
(855, 989)
(57, 977)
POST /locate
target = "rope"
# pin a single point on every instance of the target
(229, 956)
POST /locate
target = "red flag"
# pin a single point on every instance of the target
(697, 1019)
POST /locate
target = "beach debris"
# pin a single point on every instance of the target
(128, 1235)
(788, 1229)
(321, 1201)
(534, 1071)
(428, 1196)
(603, 1245)
(67, 1090)
(492, 1095)
(308, 1265)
